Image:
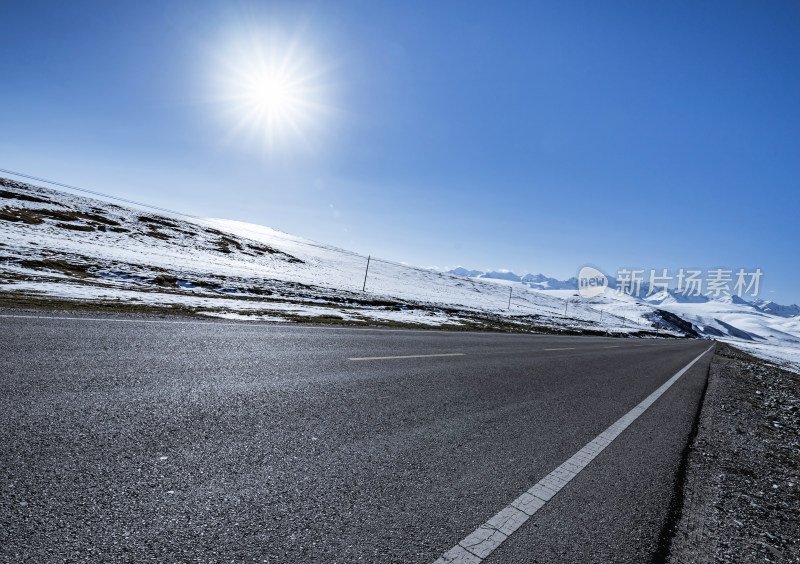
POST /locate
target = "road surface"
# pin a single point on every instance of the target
(130, 439)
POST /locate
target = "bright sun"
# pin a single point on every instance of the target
(271, 97)
(271, 91)
(271, 94)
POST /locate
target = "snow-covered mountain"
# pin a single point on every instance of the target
(542, 282)
(464, 272)
(776, 309)
(57, 245)
(535, 281)
(673, 297)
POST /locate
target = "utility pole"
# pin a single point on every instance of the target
(601, 315)
(566, 305)
(364, 288)
(511, 289)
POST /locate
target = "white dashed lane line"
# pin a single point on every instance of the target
(562, 349)
(485, 539)
(406, 356)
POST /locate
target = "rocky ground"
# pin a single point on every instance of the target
(740, 496)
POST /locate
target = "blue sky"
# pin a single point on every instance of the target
(527, 136)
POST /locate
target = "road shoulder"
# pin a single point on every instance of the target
(741, 490)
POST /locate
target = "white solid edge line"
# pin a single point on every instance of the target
(404, 356)
(485, 539)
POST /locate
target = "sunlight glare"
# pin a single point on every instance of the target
(271, 91)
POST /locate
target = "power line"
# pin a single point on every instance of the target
(95, 193)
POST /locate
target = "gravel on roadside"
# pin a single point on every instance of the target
(740, 496)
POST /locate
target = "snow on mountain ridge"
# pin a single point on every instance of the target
(772, 308)
(535, 281)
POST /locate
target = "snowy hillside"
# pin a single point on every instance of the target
(59, 245)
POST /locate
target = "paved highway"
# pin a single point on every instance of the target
(127, 439)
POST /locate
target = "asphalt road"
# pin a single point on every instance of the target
(124, 440)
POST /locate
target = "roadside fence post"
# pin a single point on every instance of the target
(364, 287)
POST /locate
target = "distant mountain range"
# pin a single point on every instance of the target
(777, 309)
(542, 282)
(535, 281)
